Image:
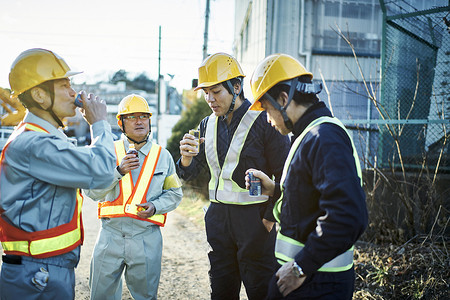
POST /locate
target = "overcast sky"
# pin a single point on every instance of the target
(101, 37)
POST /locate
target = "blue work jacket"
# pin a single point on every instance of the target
(41, 173)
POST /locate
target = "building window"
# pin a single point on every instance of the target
(359, 20)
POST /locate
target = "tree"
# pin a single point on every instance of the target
(120, 75)
(190, 119)
(142, 82)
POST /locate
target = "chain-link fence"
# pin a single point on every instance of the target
(414, 104)
(406, 122)
(399, 119)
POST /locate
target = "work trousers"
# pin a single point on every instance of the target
(16, 281)
(320, 285)
(241, 250)
(137, 256)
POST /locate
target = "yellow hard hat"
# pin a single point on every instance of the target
(133, 104)
(218, 68)
(273, 69)
(35, 66)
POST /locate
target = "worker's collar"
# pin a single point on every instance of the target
(239, 112)
(145, 149)
(313, 112)
(32, 118)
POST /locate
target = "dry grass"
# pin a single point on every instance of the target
(414, 270)
(192, 206)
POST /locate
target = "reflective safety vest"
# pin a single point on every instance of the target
(125, 204)
(222, 188)
(44, 243)
(287, 248)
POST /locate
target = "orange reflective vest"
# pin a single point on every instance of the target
(44, 243)
(125, 204)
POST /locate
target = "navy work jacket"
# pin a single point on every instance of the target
(323, 202)
(264, 149)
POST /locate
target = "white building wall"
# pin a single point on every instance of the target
(250, 37)
(166, 123)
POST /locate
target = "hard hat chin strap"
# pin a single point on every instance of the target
(54, 116)
(30, 102)
(282, 109)
(133, 140)
(51, 91)
(302, 88)
(235, 95)
(138, 142)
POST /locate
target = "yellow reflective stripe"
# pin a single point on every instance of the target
(172, 182)
(144, 180)
(62, 241)
(211, 147)
(129, 205)
(126, 182)
(222, 187)
(55, 243)
(236, 203)
(33, 127)
(21, 246)
(287, 248)
(47, 245)
(118, 210)
(19, 129)
(157, 218)
(318, 121)
(336, 269)
(111, 210)
(314, 123)
(238, 198)
(277, 207)
(281, 258)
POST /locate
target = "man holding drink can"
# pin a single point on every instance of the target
(133, 209)
(239, 227)
(321, 208)
(41, 173)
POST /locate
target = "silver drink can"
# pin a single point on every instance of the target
(255, 185)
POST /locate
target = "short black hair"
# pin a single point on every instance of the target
(27, 99)
(233, 81)
(299, 98)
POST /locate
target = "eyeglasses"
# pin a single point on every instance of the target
(134, 118)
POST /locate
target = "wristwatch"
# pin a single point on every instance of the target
(297, 270)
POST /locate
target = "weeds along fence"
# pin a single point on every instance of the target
(402, 132)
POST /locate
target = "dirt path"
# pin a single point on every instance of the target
(184, 263)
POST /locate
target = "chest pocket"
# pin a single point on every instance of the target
(156, 186)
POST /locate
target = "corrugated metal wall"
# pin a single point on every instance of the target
(305, 29)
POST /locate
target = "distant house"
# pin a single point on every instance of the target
(170, 104)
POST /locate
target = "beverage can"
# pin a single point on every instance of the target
(255, 185)
(196, 134)
(78, 101)
(132, 150)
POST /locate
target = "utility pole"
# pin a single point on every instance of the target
(205, 35)
(158, 86)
